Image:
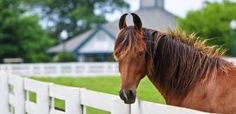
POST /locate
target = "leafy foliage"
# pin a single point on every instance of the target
(212, 22)
(64, 57)
(21, 36)
(75, 16)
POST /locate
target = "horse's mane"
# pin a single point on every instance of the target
(180, 60)
(196, 42)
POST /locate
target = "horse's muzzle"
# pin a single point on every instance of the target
(128, 96)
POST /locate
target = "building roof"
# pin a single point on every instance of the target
(155, 18)
(71, 44)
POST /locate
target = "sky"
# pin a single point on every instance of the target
(177, 7)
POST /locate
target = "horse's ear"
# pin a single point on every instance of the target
(137, 21)
(122, 23)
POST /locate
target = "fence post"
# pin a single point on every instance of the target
(83, 107)
(118, 107)
(19, 95)
(135, 108)
(3, 93)
(43, 100)
(73, 102)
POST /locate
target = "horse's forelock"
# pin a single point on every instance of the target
(129, 41)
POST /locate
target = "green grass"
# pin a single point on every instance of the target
(146, 91)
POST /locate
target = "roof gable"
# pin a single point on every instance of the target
(100, 42)
(71, 44)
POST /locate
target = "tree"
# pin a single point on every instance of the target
(21, 36)
(212, 22)
(75, 16)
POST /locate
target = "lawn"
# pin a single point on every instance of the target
(146, 91)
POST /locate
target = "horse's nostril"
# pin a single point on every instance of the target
(123, 95)
(128, 96)
(131, 93)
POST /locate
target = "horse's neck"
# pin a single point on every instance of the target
(169, 97)
(172, 75)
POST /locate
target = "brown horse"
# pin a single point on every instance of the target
(185, 71)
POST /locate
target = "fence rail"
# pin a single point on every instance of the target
(62, 69)
(67, 69)
(15, 99)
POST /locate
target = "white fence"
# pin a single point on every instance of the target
(62, 69)
(15, 99)
(66, 69)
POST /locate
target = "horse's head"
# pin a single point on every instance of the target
(129, 51)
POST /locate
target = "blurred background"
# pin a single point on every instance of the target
(68, 42)
(34, 31)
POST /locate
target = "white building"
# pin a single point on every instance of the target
(97, 44)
